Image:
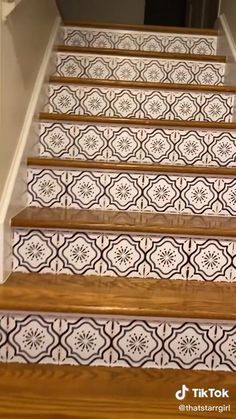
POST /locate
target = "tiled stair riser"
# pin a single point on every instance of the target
(139, 103)
(137, 40)
(137, 144)
(139, 69)
(148, 343)
(124, 255)
(121, 190)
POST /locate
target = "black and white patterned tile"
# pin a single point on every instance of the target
(79, 253)
(138, 103)
(188, 345)
(57, 140)
(32, 338)
(167, 257)
(136, 344)
(211, 259)
(225, 358)
(35, 251)
(85, 341)
(124, 255)
(136, 191)
(137, 144)
(132, 40)
(139, 69)
(3, 337)
(93, 340)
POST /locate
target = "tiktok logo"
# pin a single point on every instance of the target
(181, 394)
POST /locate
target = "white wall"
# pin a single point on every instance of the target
(228, 7)
(24, 37)
(116, 11)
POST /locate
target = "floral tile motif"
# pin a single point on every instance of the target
(90, 340)
(35, 251)
(225, 358)
(167, 257)
(143, 192)
(79, 253)
(85, 189)
(139, 69)
(199, 196)
(3, 337)
(124, 255)
(137, 103)
(47, 188)
(137, 144)
(85, 341)
(57, 139)
(211, 260)
(32, 339)
(136, 344)
(161, 193)
(147, 41)
(188, 346)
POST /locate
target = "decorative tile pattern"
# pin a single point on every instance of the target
(203, 195)
(138, 144)
(132, 40)
(86, 340)
(137, 103)
(35, 251)
(139, 69)
(32, 339)
(124, 255)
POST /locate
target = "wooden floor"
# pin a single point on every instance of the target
(42, 391)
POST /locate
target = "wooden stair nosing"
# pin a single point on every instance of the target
(136, 121)
(142, 28)
(118, 296)
(142, 85)
(125, 221)
(130, 167)
(141, 54)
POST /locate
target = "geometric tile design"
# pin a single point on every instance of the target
(139, 69)
(137, 144)
(143, 192)
(124, 255)
(139, 103)
(85, 340)
(138, 40)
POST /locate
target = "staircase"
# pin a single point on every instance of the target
(125, 255)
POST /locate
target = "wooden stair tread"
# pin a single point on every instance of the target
(144, 28)
(118, 296)
(144, 54)
(130, 167)
(136, 121)
(51, 391)
(142, 85)
(153, 223)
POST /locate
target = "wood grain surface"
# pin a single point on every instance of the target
(63, 392)
(130, 167)
(142, 85)
(144, 54)
(134, 121)
(101, 220)
(144, 28)
(118, 296)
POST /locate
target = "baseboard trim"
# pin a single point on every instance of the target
(14, 197)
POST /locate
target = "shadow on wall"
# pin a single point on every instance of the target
(115, 11)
